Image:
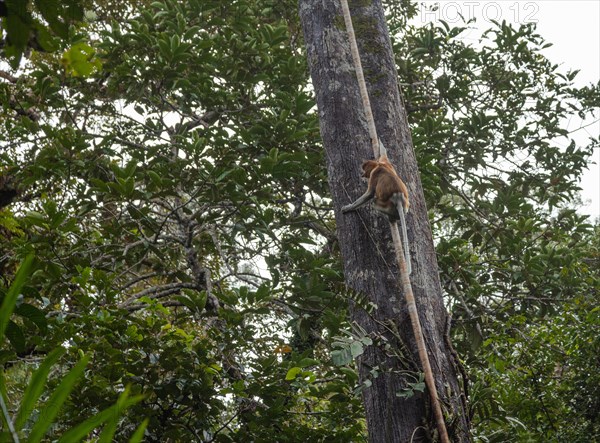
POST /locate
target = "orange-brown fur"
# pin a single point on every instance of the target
(389, 193)
(384, 181)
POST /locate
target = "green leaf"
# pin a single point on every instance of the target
(80, 61)
(187, 301)
(36, 219)
(36, 386)
(420, 386)
(308, 362)
(341, 357)
(356, 348)
(350, 374)
(138, 435)
(111, 425)
(45, 39)
(129, 187)
(262, 292)
(292, 373)
(155, 178)
(56, 400)
(8, 304)
(110, 415)
(7, 431)
(50, 11)
(17, 30)
(15, 335)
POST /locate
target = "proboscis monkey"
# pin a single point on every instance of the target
(389, 192)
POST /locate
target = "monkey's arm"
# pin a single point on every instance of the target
(361, 201)
(401, 208)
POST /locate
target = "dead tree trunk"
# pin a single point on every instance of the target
(364, 236)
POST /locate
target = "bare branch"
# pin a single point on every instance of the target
(5, 75)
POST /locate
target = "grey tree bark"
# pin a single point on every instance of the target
(364, 236)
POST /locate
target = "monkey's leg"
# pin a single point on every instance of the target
(358, 203)
(382, 150)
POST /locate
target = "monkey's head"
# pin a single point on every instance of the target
(368, 166)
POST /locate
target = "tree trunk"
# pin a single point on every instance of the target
(365, 240)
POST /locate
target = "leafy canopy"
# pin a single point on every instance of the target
(164, 168)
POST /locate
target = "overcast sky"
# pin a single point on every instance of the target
(573, 26)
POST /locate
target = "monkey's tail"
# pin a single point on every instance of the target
(399, 202)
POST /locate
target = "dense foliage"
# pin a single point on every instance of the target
(518, 263)
(163, 167)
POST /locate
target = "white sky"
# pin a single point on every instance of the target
(573, 26)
